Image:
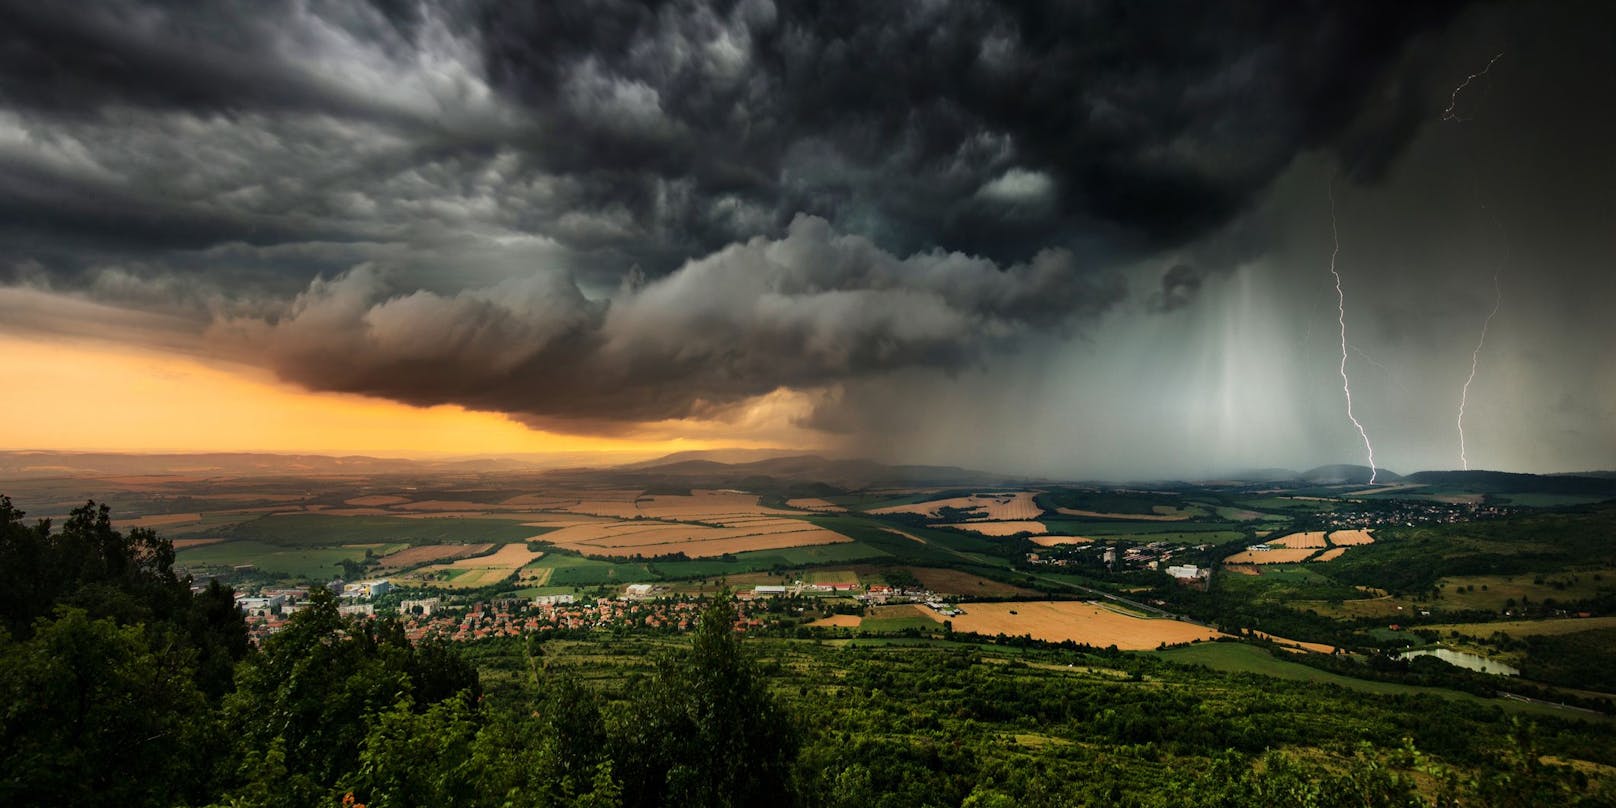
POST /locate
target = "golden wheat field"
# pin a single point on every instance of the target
(1078, 621)
(1311, 538)
(1331, 554)
(1282, 556)
(1350, 538)
(1056, 541)
(997, 528)
(1015, 506)
(470, 573)
(838, 621)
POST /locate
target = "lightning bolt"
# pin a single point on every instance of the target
(1341, 310)
(1475, 361)
(1452, 112)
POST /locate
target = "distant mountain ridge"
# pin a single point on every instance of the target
(1346, 473)
(1506, 481)
(842, 472)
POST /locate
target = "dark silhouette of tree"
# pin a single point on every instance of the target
(706, 731)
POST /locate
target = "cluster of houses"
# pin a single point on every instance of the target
(514, 617)
(1152, 556)
(874, 594)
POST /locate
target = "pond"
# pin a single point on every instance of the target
(1471, 662)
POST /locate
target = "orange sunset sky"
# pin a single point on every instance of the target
(86, 396)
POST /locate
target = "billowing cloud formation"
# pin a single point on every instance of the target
(644, 134)
(881, 217)
(982, 126)
(805, 311)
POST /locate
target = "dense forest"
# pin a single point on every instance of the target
(124, 686)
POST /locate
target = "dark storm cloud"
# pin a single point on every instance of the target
(434, 202)
(77, 58)
(1179, 286)
(648, 133)
(987, 127)
(808, 310)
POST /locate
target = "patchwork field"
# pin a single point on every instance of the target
(1312, 538)
(428, 553)
(1058, 621)
(1351, 538)
(158, 520)
(376, 500)
(838, 621)
(1331, 554)
(309, 529)
(650, 539)
(996, 528)
(1017, 506)
(469, 573)
(1282, 556)
(304, 562)
(668, 524)
(898, 618)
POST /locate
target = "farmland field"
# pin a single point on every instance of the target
(838, 621)
(314, 529)
(426, 553)
(1058, 621)
(1132, 517)
(1528, 628)
(1331, 554)
(958, 582)
(376, 500)
(1349, 538)
(1017, 506)
(1286, 556)
(479, 571)
(1312, 538)
(1056, 541)
(898, 618)
(299, 562)
(997, 528)
(814, 504)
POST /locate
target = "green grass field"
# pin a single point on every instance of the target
(301, 562)
(314, 530)
(887, 625)
(573, 571)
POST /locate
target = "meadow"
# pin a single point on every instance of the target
(315, 563)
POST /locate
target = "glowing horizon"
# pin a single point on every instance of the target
(149, 402)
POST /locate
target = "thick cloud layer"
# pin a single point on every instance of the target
(806, 311)
(645, 134)
(920, 218)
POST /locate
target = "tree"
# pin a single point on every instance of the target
(94, 715)
(706, 731)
